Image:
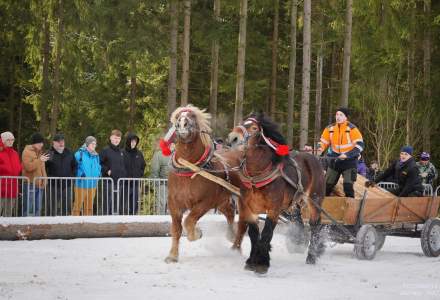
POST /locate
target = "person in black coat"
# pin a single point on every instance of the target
(407, 174)
(61, 163)
(135, 167)
(112, 166)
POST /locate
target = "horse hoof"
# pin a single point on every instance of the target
(250, 267)
(170, 259)
(311, 260)
(236, 248)
(230, 236)
(197, 234)
(261, 269)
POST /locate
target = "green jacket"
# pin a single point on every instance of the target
(159, 165)
(428, 173)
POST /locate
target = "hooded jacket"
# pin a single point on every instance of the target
(33, 166)
(88, 166)
(9, 166)
(133, 158)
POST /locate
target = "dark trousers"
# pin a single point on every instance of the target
(129, 198)
(332, 177)
(58, 199)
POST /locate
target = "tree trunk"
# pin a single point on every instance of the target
(45, 93)
(333, 73)
(239, 89)
(304, 123)
(292, 66)
(11, 98)
(411, 79)
(172, 77)
(214, 72)
(20, 122)
(185, 51)
(133, 73)
(427, 77)
(347, 54)
(57, 76)
(273, 82)
(319, 67)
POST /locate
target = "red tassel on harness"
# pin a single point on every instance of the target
(282, 150)
(164, 146)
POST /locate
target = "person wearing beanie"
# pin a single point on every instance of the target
(34, 165)
(112, 162)
(406, 172)
(10, 166)
(88, 165)
(135, 167)
(428, 172)
(61, 163)
(344, 143)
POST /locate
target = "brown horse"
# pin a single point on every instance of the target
(273, 182)
(197, 194)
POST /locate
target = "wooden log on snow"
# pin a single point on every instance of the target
(359, 188)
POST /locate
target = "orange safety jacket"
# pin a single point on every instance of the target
(342, 138)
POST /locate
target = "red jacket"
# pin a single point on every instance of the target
(9, 166)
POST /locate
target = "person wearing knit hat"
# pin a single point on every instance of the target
(343, 143)
(34, 165)
(428, 172)
(89, 165)
(406, 172)
(9, 166)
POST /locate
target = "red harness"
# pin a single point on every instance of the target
(268, 176)
(202, 161)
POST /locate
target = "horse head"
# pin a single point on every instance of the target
(189, 122)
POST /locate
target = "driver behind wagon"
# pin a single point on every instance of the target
(344, 143)
(406, 172)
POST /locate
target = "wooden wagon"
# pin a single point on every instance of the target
(366, 221)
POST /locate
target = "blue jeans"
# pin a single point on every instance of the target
(32, 200)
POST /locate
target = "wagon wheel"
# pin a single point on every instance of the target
(380, 240)
(430, 238)
(365, 246)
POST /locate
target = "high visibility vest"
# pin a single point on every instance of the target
(342, 138)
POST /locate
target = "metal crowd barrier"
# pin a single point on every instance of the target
(146, 196)
(12, 191)
(427, 188)
(65, 196)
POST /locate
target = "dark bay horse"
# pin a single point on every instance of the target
(190, 132)
(272, 181)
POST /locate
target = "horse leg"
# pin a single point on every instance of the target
(228, 210)
(254, 236)
(262, 256)
(241, 230)
(316, 246)
(176, 233)
(193, 232)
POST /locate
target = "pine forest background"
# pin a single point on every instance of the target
(85, 67)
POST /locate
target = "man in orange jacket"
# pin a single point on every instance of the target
(343, 142)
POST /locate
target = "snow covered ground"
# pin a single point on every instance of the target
(133, 268)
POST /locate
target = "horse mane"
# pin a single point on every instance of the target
(270, 128)
(202, 120)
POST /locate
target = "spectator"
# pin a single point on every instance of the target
(88, 166)
(9, 166)
(427, 170)
(135, 168)
(362, 166)
(34, 166)
(61, 163)
(373, 171)
(112, 163)
(407, 175)
(159, 170)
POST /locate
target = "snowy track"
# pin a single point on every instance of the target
(133, 268)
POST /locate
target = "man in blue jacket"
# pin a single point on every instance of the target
(88, 166)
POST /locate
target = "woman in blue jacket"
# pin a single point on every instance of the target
(88, 166)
